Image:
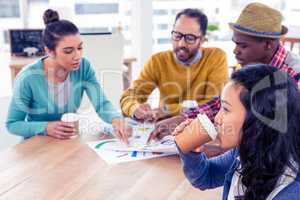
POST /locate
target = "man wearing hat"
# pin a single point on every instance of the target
(256, 34)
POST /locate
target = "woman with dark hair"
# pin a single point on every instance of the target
(259, 124)
(54, 85)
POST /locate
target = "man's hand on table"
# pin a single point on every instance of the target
(165, 127)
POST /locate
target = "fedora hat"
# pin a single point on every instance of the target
(260, 20)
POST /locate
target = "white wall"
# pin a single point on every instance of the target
(141, 33)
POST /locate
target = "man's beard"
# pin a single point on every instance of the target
(180, 51)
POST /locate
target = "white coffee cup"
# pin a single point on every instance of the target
(71, 118)
(189, 104)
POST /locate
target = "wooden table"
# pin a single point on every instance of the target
(44, 168)
(18, 62)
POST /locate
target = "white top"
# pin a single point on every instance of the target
(237, 188)
(60, 93)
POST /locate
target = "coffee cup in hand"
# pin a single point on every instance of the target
(197, 133)
(72, 118)
(189, 105)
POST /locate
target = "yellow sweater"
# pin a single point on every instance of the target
(176, 83)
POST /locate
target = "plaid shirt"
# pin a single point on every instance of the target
(212, 107)
(278, 62)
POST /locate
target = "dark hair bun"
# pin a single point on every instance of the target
(50, 16)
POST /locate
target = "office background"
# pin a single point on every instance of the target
(145, 25)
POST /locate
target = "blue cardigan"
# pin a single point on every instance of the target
(31, 108)
(218, 171)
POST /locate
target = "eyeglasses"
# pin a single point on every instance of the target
(188, 38)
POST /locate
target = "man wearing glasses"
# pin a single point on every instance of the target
(189, 72)
(256, 35)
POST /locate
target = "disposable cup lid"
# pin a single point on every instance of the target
(189, 104)
(69, 117)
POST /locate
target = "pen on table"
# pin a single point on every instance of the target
(122, 155)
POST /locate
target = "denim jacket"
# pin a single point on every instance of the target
(204, 173)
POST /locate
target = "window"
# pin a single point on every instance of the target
(94, 16)
(160, 12)
(175, 11)
(164, 41)
(94, 30)
(5, 36)
(126, 28)
(9, 8)
(127, 42)
(128, 13)
(162, 26)
(38, 1)
(36, 9)
(93, 8)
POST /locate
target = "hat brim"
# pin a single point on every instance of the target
(247, 31)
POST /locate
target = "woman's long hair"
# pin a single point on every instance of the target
(270, 134)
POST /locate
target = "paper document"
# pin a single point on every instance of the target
(114, 157)
(114, 151)
(165, 145)
(139, 138)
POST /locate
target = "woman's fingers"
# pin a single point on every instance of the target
(122, 135)
(122, 130)
(58, 135)
(181, 126)
(67, 128)
(64, 134)
(61, 130)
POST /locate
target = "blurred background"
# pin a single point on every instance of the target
(145, 25)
